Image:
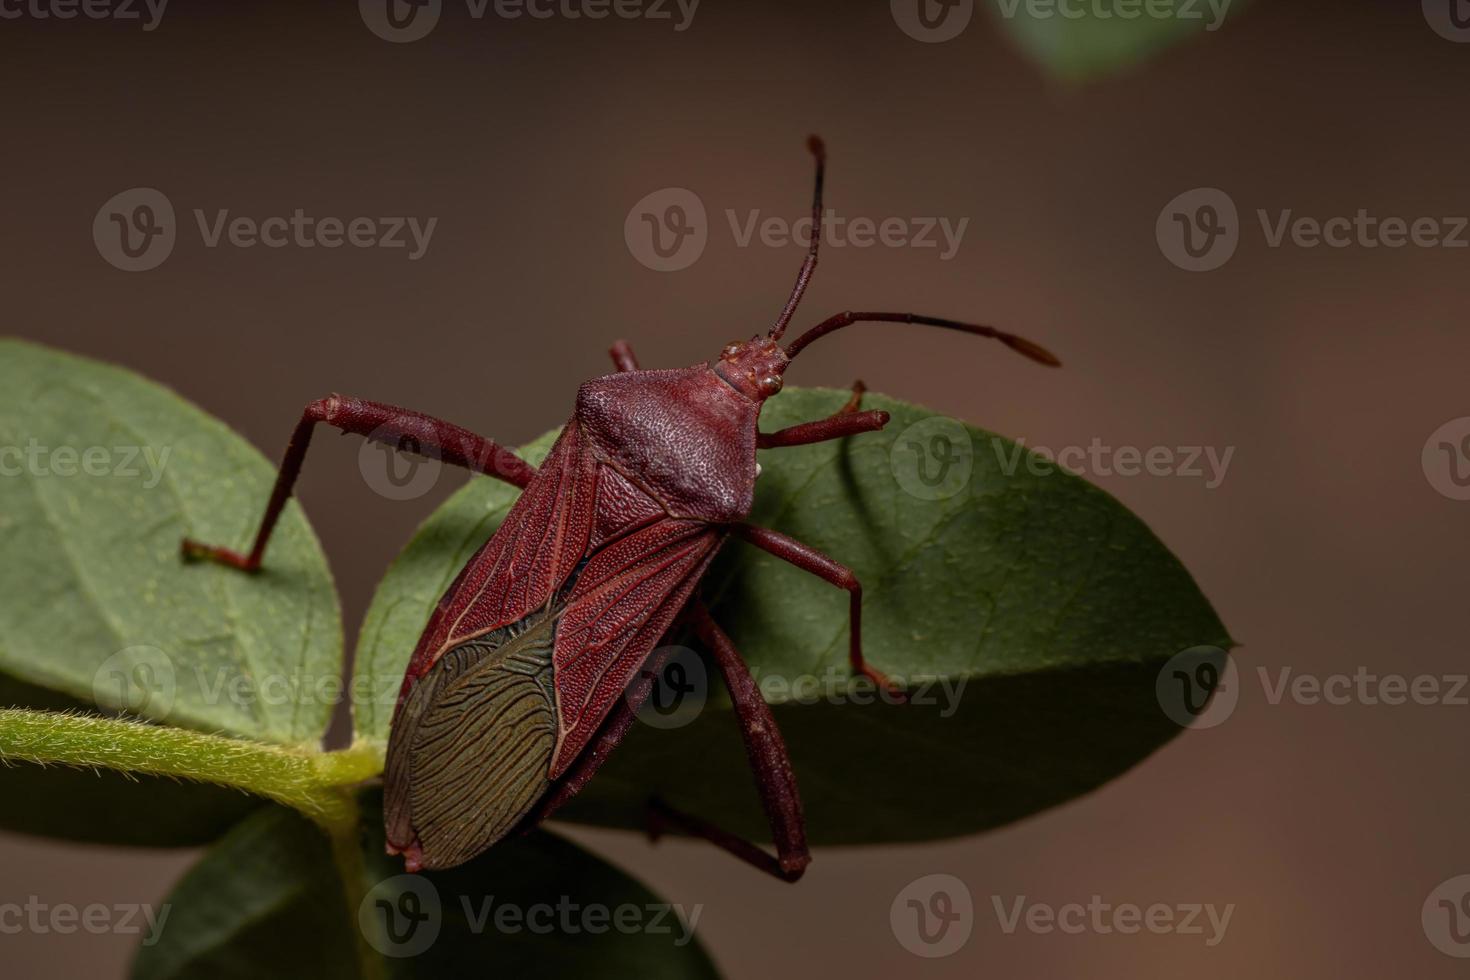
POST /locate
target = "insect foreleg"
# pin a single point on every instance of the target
(846, 421)
(401, 428)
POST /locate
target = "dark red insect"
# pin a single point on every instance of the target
(534, 662)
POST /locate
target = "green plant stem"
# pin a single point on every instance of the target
(316, 783)
(319, 784)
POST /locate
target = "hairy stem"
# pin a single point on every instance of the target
(316, 783)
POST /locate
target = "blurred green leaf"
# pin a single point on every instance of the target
(1084, 39)
(267, 901)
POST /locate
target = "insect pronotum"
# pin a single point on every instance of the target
(533, 664)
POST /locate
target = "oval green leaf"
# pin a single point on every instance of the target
(1029, 612)
(101, 474)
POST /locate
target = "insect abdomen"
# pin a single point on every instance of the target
(473, 743)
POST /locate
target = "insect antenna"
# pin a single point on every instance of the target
(1019, 344)
(819, 150)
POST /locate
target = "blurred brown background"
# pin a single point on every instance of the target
(1325, 548)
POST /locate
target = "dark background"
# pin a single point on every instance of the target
(1325, 549)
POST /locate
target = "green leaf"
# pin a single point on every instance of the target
(267, 901)
(1053, 605)
(1079, 44)
(101, 474)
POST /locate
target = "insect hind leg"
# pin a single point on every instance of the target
(401, 428)
(769, 761)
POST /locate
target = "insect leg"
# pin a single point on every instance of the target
(809, 559)
(619, 720)
(623, 357)
(769, 761)
(846, 421)
(405, 430)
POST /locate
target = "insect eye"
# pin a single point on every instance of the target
(731, 349)
(770, 384)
